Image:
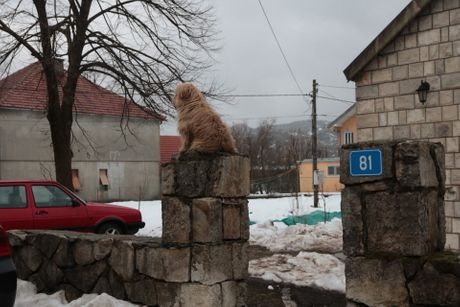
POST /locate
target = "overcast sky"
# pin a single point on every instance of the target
(319, 39)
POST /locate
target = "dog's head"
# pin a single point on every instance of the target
(185, 94)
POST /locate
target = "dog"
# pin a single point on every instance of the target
(200, 127)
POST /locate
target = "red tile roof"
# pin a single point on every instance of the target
(26, 89)
(169, 145)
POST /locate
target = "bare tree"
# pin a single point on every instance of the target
(143, 46)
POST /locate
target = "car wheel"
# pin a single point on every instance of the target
(110, 229)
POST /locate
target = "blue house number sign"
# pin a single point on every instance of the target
(366, 162)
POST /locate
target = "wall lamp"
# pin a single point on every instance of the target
(422, 91)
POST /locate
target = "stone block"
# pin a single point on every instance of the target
(231, 222)
(240, 260)
(434, 288)
(366, 106)
(450, 81)
(142, 291)
(414, 165)
(207, 220)
(382, 75)
(31, 257)
(415, 116)
(389, 89)
(85, 278)
(416, 70)
(408, 56)
(102, 248)
(429, 37)
(376, 282)
(83, 252)
(352, 221)
(434, 114)
(122, 259)
(443, 129)
(231, 177)
(454, 33)
(400, 72)
(368, 120)
(168, 264)
(168, 294)
(404, 102)
(387, 159)
(218, 175)
(367, 92)
(64, 255)
(441, 19)
(401, 132)
(244, 220)
(383, 133)
(176, 220)
(211, 264)
(445, 51)
(192, 295)
(168, 179)
(449, 113)
(405, 223)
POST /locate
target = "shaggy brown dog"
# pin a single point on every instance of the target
(199, 125)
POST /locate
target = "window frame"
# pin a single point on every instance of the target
(336, 171)
(348, 137)
(26, 200)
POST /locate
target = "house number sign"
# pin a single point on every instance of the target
(367, 162)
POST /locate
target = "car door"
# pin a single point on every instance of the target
(55, 209)
(14, 210)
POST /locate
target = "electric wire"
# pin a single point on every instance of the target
(280, 48)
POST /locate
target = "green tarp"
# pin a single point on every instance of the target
(312, 218)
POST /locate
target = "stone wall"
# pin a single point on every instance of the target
(387, 104)
(394, 229)
(201, 259)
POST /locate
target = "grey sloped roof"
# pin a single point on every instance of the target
(343, 117)
(385, 37)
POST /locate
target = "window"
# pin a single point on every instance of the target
(333, 170)
(50, 196)
(104, 179)
(348, 137)
(76, 180)
(13, 197)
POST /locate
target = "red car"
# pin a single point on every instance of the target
(8, 277)
(49, 205)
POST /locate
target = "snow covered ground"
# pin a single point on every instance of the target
(27, 296)
(307, 268)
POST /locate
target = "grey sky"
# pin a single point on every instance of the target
(319, 38)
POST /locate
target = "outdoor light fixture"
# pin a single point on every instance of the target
(422, 91)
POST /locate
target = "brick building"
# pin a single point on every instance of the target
(421, 44)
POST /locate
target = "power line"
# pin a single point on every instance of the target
(280, 48)
(337, 86)
(264, 95)
(336, 99)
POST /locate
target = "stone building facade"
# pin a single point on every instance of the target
(421, 44)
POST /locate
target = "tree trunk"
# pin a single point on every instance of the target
(60, 135)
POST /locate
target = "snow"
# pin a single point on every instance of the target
(26, 296)
(323, 237)
(306, 269)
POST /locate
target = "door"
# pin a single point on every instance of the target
(14, 212)
(55, 209)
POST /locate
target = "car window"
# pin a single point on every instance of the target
(13, 197)
(50, 196)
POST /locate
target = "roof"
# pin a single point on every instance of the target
(385, 37)
(26, 89)
(338, 122)
(169, 146)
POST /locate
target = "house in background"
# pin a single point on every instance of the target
(345, 126)
(169, 147)
(329, 169)
(421, 44)
(108, 163)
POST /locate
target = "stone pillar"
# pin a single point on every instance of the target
(205, 212)
(392, 221)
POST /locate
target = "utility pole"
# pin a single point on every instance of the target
(314, 148)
